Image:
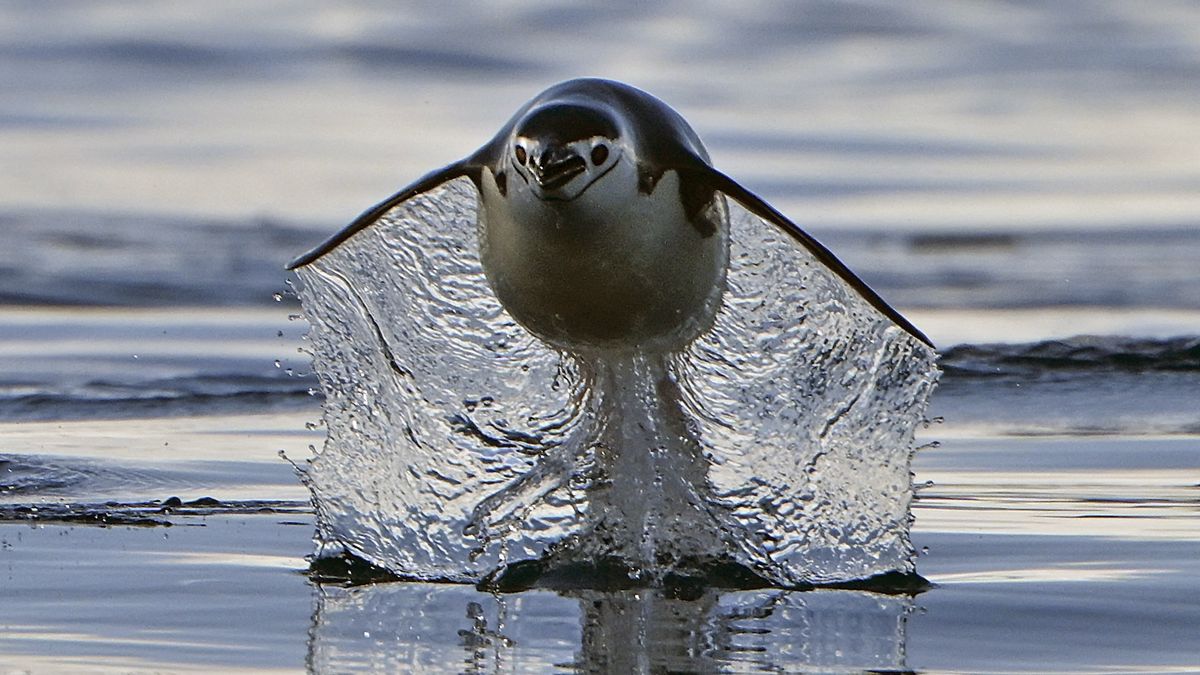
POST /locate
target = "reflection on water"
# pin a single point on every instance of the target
(438, 628)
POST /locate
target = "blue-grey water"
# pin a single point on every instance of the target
(1020, 178)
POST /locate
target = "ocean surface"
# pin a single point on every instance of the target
(1019, 178)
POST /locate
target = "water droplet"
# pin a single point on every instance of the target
(278, 364)
(278, 297)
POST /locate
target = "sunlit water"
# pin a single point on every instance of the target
(1019, 178)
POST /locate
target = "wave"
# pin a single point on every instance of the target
(144, 260)
(1082, 354)
(195, 395)
(149, 260)
(239, 392)
(29, 475)
(152, 513)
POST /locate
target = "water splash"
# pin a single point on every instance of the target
(459, 443)
(806, 402)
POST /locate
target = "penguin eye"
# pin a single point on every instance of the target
(599, 154)
(520, 153)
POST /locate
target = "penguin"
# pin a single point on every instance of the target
(602, 221)
(583, 345)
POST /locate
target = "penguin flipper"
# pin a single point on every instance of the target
(372, 215)
(759, 207)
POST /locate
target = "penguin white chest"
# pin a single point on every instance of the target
(612, 268)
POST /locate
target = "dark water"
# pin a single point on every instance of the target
(1018, 177)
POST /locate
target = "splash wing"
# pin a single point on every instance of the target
(457, 441)
(434, 397)
(804, 396)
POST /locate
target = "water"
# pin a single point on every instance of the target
(460, 443)
(1018, 178)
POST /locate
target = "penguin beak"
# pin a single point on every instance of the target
(556, 166)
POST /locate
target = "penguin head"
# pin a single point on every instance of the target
(563, 149)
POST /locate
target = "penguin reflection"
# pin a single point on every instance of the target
(440, 628)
